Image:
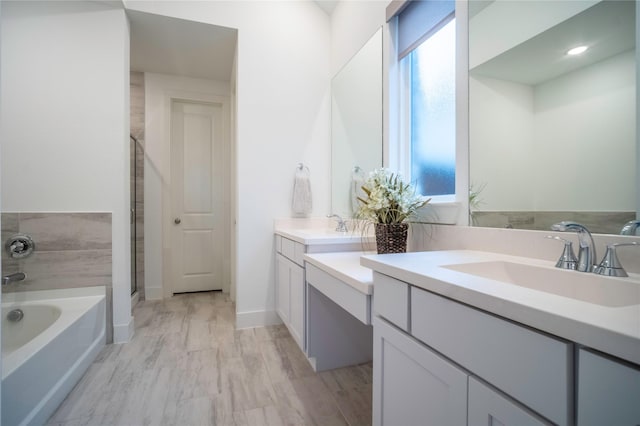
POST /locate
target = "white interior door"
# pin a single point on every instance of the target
(196, 196)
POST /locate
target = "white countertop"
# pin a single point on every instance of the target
(346, 267)
(314, 236)
(613, 330)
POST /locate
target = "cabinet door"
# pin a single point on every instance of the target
(489, 408)
(412, 385)
(282, 287)
(297, 293)
(502, 353)
(608, 391)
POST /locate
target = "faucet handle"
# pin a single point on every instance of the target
(610, 264)
(568, 259)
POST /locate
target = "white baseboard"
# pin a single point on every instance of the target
(153, 293)
(124, 332)
(256, 319)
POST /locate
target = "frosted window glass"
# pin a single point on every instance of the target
(433, 131)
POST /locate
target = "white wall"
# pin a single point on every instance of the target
(353, 22)
(282, 118)
(557, 142)
(65, 119)
(159, 89)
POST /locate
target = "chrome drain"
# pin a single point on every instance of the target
(15, 315)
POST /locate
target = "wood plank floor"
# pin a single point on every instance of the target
(187, 365)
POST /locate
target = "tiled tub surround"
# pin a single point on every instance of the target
(73, 250)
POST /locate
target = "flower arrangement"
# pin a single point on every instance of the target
(389, 200)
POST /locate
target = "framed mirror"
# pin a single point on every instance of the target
(356, 125)
(553, 131)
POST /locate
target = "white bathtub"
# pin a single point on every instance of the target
(47, 352)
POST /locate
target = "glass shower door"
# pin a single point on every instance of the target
(133, 150)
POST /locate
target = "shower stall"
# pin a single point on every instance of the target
(136, 158)
(136, 216)
(133, 149)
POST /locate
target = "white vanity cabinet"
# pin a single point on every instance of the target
(412, 384)
(283, 287)
(538, 345)
(429, 350)
(487, 407)
(290, 287)
(290, 274)
(608, 391)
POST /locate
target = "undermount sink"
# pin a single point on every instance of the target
(587, 287)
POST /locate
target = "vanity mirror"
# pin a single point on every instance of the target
(356, 124)
(553, 134)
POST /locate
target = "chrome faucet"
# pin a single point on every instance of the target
(341, 226)
(568, 259)
(587, 250)
(610, 265)
(17, 276)
(630, 227)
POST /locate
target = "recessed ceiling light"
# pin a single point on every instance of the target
(577, 50)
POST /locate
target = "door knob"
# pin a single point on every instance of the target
(177, 221)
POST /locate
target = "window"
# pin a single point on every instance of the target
(427, 64)
(432, 112)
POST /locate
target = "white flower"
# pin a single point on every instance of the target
(389, 199)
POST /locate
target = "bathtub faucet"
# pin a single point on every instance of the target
(17, 276)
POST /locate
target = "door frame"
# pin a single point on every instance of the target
(171, 96)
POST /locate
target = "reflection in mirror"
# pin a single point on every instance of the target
(553, 135)
(356, 125)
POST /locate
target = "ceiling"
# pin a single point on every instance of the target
(167, 45)
(327, 5)
(608, 28)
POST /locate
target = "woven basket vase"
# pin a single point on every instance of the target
(391, 237)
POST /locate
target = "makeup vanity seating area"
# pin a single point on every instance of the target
(323, 294)
(482, 329)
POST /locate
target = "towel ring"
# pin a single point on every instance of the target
(302, 167)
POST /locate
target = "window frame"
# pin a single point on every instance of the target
(446, 212)
(404, 114)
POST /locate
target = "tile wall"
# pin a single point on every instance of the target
(597, 222)
(137, 184)
(71, 250)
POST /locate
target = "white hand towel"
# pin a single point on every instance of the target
(357, 180)
(302, 193)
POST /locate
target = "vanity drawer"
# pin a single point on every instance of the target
(608, 391)
(532, 367)
(292, 250)
(391, 300)
(348, 298)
